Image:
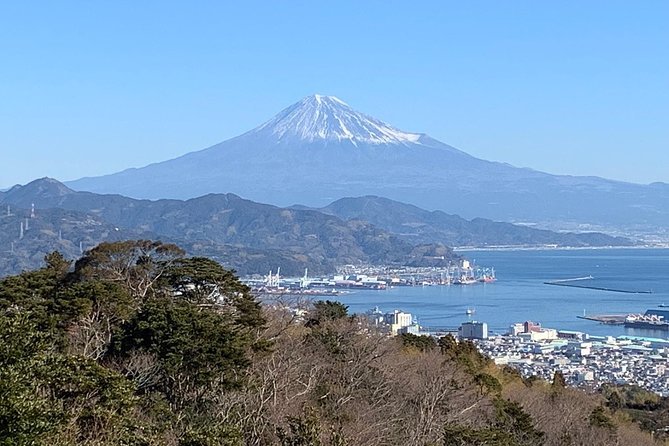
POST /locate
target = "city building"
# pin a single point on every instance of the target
(473, 330)
(398, 319)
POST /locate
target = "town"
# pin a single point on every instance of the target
(584, 360)
(535, 351)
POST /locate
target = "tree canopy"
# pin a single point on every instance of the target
(132, 326)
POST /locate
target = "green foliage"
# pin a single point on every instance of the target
(302, 431)
(631, 397)
(195, 348)
(558, 381)
(420, 343)
(202, 281)
(614, 401)
(199, 329)
(488, 383)
(510, 374)
(558, 384)
(458, 435)
(34, 291)
(447, 345)
(182, 332)
(464, 353)
(211, 433)
(46, 394)
(135, 264)
(600, 418)
(24, 415)
(327, 310)
(649, 410)
(513, 419)
(335, 342)
(531, 380)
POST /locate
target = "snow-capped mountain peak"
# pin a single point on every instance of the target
(328, 118)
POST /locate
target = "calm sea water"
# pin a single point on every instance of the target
(520, 294)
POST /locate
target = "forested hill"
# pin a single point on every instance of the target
(249, 236)
(246, 236)
(137, 345)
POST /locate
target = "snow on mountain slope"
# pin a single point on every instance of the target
(329, 118)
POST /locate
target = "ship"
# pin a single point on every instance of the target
(465, 274)
(464, 280)
(646, 321)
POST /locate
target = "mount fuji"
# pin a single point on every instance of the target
(320, 149)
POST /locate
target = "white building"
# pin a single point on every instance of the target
(398, 319)
(473, 330)
(516, 329)
(545, 334)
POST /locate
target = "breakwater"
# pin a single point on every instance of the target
(568, 283)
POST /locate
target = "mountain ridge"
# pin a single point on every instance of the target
(241, 234)
(419, 225)
(245, 235)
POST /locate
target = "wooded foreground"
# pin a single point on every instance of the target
(136, 344)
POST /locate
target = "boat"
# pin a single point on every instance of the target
(470, 311)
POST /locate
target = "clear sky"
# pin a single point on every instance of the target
(573, 87)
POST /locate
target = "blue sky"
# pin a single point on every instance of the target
(572, 87)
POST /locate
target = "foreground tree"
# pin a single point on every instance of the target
(136, 264)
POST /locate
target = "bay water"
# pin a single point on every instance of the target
(519, 294)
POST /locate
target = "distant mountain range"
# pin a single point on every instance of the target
(420, 226)
(320, 150)
(249, 236)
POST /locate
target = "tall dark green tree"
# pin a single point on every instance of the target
(135, 264)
